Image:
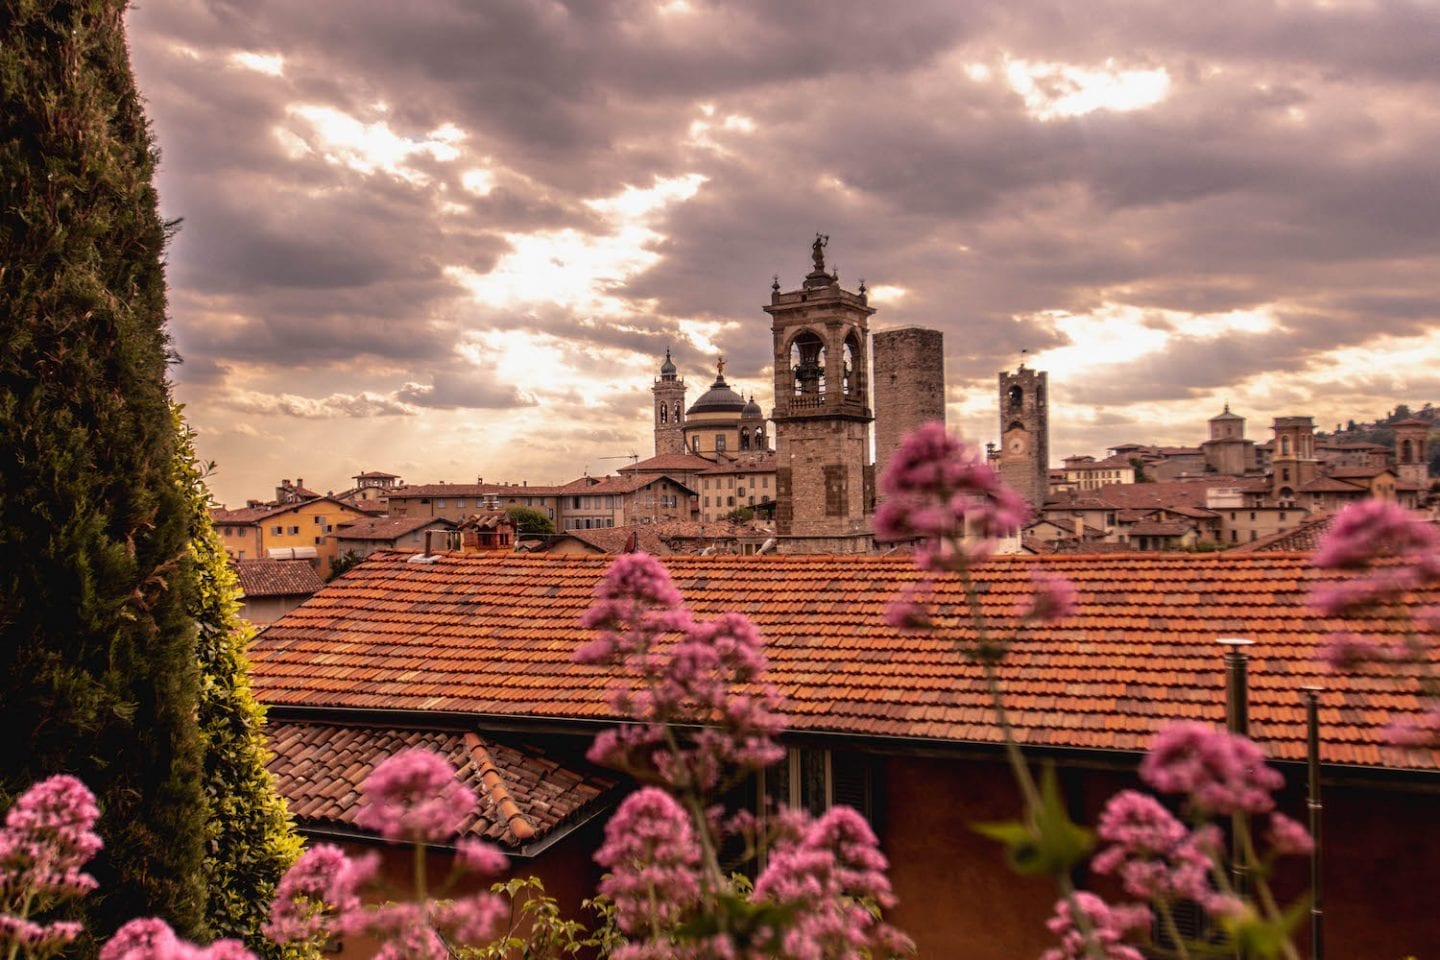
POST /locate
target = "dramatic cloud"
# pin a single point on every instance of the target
(434, 238)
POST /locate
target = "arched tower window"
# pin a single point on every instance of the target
(744, 439)
(853, 386)
(664, 412)
(1017, 398)
(1407, 452)
(759, 438)
(679, 414)
(807, 359)
(1285, 446)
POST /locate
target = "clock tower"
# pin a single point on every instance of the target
(1024, 460)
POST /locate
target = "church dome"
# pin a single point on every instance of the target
(718, 399)
(752, 410)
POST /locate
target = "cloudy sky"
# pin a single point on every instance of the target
(453, 239)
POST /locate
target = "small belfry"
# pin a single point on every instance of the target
(825, 482)
(1024, 457)
(669, 391)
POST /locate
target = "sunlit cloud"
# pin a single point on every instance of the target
(1055, 90)
(886, 294)
(580, 271)
(477, 181)
(270, 64)
(368, 148)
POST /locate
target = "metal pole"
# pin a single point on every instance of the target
(1312, 801)
(1237, 719)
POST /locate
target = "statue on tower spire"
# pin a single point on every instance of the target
(817, 251)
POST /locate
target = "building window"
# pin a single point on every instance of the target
(695, 443)
(1254, 534)
(319, 540)
(277, 530)
(319, 519)
(816, 780)
(293, 531)
(719, 442)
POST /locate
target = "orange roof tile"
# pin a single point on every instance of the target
(492, 635)
(525, 792)
(276, 578)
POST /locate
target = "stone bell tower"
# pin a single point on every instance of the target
(669, 393)
(825, 483)
(1024, 460)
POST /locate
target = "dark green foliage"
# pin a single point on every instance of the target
(530, 522)
(250, 840)
(343, 564)
(97, 665)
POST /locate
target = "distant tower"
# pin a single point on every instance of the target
(1412, 456)
(1292, 462)
(1024, 460)
(825, 484)
(1227, 451)
(669, 393)
(753, 438)
(909, 386)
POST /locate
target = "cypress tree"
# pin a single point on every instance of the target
(250, 840)
(98, 672)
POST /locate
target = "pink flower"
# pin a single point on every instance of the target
(942, 491)
(415, 795)
(1364, 531)
(480, 857)
(1422, 731)
(474, 920)
(145, 938)
(1221, 772)
(834, 863)
(1344, 650)
(320, 890)
(1289, 838)
(910, 610)
(653, 858)
(1108, 926)
(1053, 599)
(48, 837)
(1153, 853)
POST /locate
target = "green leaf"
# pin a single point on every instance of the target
(1050, 842)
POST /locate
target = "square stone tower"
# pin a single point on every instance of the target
(825, 483)
(1412, 453)
(1024, 460)
(909, 386)
(669, 391)
(1293, 463)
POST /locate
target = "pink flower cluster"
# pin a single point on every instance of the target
(415, 796)
(151, 938)
(825, 875)
(942, 492)
(1220, 772)
(1152, 852)
(1395, 551)
(653, 857)
(1107, 928)
(1053, 598)
(711, 675)
(47, 839)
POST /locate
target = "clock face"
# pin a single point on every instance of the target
(1016, 444)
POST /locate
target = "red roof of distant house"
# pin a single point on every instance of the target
(525, 793)
(489, 635)
(276, 578)
(248, 515)
(387, 528)
(1305, 537)
(616, 485)
(679, 462)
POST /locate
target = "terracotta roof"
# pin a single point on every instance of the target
(1333, 485)
(493, 635)
(525, 793)
(376, 475)
(1161, 528)
(502, 490)
(387, 528)
(613, 539)
(679, 462)
(1358, 473)
(246, 515)
(1304, 537)
(616, 485)
(276, 578)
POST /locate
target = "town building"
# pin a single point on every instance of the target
(300, 530)
(269, 589)
(746, 483)
(1024, 455)
(908, 388)
(480, 648)
(360, 538)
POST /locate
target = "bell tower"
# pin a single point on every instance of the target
(1024, 460)
(825, 483)
(669, 391)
